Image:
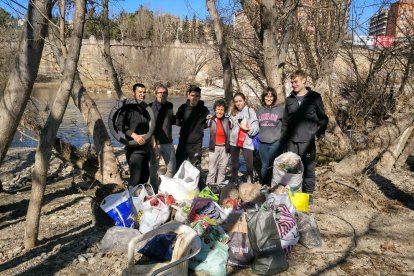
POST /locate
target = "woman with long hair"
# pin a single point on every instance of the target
(245, 127)
(270, 125)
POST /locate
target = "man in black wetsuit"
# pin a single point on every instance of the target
(304, 121)
(191, 117)
(134, 123)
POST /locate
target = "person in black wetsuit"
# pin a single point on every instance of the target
(191, 117)
(134, 123)
(304, 120)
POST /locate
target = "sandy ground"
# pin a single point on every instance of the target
(365, 231)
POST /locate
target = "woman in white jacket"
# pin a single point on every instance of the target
(245, 127)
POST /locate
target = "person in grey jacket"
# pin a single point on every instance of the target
(303, 121)
(245, 127)
(270, 125)
(219, 146)
(163, 141)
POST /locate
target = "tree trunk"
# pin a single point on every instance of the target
(108, 172)
(338, 144)
(277, 34)
(390, 156)
(49, 130)
(379, 140)
(108, 164)
(223, 50)
(408, 149)
(24, 73)
(107, 50)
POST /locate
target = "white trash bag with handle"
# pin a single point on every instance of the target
(288, 171)
(184, 184)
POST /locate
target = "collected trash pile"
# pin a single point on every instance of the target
(183, 228)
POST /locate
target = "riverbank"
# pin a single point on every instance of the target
(361, 236)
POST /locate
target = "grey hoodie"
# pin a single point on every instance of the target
(250, 115)
(270, 123)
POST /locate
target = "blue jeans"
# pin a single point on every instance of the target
(268, 153)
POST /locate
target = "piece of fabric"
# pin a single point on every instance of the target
(160, 247)
(217, 163)
(268, 153)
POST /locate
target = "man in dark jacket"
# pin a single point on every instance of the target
(134, 123)
(191, 117)
(163, 112)
(304, 120)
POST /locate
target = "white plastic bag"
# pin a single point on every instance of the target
(117, 239)
(138, 194)
(153, 216)
(275, 200)
(294, 180)
(184, 185)
(118, 207)
(309, 235)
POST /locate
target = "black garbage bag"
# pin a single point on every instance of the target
(269, 257)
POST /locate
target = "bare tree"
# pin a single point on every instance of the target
(199, 57)
(24, 73)
(321, 31)
(116, 82)
(272, 22)
(49, 130)
(224, 51)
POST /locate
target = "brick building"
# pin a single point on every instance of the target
(401, 19)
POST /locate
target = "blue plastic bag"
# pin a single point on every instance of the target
(159, 247)
(256, 142)
(118, 206)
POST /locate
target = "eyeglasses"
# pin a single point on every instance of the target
(163, 92)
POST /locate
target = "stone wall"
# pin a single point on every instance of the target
(133, 61)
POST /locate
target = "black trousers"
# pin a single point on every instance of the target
(192, 152)
(307, 152)
(248, 157)
(138, 162)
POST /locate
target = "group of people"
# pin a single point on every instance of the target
(292, 127)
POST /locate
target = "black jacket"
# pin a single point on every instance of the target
(225, 122)
(192, 121)
(164, 120)
(301, 123)
(134, 119)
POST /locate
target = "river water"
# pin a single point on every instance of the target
(73, 128)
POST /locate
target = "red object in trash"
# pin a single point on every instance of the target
(169, 200)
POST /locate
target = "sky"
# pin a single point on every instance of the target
(361, 10)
